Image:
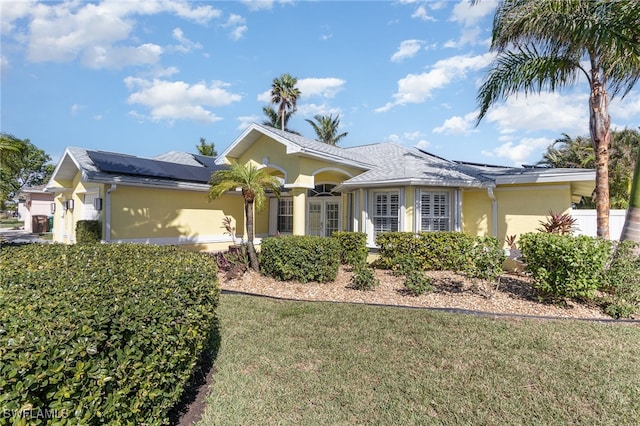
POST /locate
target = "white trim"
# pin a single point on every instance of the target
(274, 166)
(546, 176)
(531, 188)
(331, 169)
(107, 212)
(298, 185)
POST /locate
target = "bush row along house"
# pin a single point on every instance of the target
(370, 188)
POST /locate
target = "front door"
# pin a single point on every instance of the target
(323, 216)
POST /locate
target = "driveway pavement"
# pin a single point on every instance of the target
(20, 236)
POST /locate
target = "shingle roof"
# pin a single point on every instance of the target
(170, 170)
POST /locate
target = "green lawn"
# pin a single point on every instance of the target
(10, 223)
(283, 362)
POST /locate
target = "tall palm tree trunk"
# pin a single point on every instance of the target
(251, 249)
(599, 122)
(631, 229)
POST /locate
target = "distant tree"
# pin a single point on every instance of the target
(206, 149)
(578, 153)
(546, 45)
(284, 94)
(254, 183)
(326, 128)
(273, 120)
(32, 168)
(567, 152)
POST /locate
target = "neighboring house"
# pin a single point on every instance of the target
(371, 188)
(37, 209)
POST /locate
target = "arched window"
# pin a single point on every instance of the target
(323, 190)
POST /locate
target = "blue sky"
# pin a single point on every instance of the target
(153, 76)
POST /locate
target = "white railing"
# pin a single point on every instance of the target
(586, 222)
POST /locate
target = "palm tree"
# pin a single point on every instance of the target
(569, 152)
(12, 150)
(326, 128)
(273, 120)
(254, 183)
(631, 229)
(206, 149)
(285, 94)
(548, 44)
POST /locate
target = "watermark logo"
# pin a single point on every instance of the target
(35, 413)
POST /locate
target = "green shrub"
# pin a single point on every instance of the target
(405, 263)
(478, 257)
(363, 278)
(102, 333)
(486, 259)
(302, 258)
(622, 281)
(565, 266)
(353, 247)
(88, 231)
(417, 282)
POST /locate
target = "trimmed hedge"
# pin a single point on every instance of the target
(88, 231)
(302, 258)
(563, 265)
(102, 333)
(353, 247)
(478, 257)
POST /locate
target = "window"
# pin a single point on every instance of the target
(435, 211)
(322, 190)
(385, 211)
(285, 215)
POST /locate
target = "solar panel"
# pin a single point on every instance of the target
(136, 166)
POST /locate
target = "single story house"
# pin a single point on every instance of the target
(370, 188)
(37, 209)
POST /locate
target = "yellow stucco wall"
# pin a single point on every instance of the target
(167, 216)
(476, 212)
(64, 221)
(521, 208)
(300, 170)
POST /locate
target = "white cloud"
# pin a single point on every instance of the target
(237, 25)
(458, 125)
(627, 108)
(98, 57)
(177, 100)
(410, 139)
(185, 45)
(238, 32)
(421, 13)
(519, 153)
(311, 110)
(469, 14)
(324, 87)
(255, 5)
(407, 49)
(75, 108)
(63, 32)
(11, 11)
(417, 88)
(247, 120)
(540, 112)
(4, 64)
